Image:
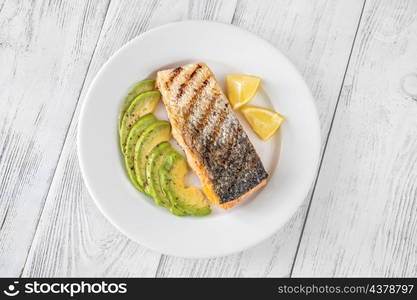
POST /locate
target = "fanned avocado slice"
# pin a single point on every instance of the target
(154, 134)
(132, 139)
(138, 88)
(153, 163)
(143, 104)
(153, 187)
(189, 199)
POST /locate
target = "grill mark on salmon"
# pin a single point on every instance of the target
(184, 84)
(219, 124)
(197, 112)
(202, 122)
(181, 90)
(187, 82)
(216, 146)
(193, 101)
(198, 67)
(174, 74)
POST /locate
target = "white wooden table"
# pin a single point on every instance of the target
(359, 59)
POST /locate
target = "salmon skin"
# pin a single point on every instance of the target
(217, 148)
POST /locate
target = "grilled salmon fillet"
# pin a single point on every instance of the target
(217, 148)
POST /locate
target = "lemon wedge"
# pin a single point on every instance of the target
(241, 89)
(265, 122)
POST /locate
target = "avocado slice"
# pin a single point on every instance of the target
(189, 199)
(143, 104)
(154, 134)
(138, 88)
(153, 163)
(132, 139)
(153, 187)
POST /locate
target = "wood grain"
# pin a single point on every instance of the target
(73, 238)
(317, 36)
(45, 50)
(363, 218)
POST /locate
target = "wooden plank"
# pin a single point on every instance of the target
(45, 50)
(363, 219)
(73, 238)
(317, 36)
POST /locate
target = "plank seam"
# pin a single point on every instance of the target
(2, 6)
(234, 14)
(65, 139)
(326, 142)
(4, 219)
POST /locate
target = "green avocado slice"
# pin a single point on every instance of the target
(153, 163)
(138, 88)
(132, 139)
(154, 134)
(143, 104)
(153, 187)
(189, 199)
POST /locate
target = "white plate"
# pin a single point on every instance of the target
(226, 49)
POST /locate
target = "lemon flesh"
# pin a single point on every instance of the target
(241, 89)
(265, 122)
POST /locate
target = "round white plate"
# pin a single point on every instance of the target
(291, 157)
